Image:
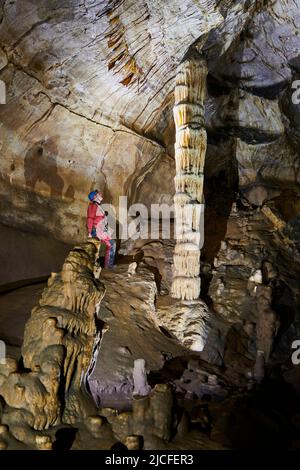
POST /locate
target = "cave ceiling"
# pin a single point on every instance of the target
(90, 94)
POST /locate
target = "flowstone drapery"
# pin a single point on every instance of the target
(190, 151)
(57, 350)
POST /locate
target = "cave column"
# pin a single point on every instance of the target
(190, 151)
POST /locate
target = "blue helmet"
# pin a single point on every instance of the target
(92, 195)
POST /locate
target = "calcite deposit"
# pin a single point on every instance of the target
(190, 152)
(187, 342)
(57, 349)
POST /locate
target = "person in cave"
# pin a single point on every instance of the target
(97, 226)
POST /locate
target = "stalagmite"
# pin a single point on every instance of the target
(190, 150)
(59, 340)
(141, 386)
(267, 327)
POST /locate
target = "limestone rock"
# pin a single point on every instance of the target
(268, 322)
(57, 350)
(89, 103)
(188, 322)
(128, 309)
(122, 100)
(141, 386)
(252, 240)
(258, 170)
(268, 42)
(157, 254)
(253, 118)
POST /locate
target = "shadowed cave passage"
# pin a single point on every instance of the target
(64, 439)
(220, 192)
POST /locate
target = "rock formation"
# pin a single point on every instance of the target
(96, 96)
(266, 329)
(140, 325)
(62, 340)
(190, 151)
(134, 78)
(57, 350)
(141, 386)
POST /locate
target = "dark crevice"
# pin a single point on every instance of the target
(220, 192)
(166, 332)
(64, 439)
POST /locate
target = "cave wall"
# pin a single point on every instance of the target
(28, 256)
(89, 101)
(89, 104)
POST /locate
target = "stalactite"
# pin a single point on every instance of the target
(186, 288)
(190, 150)
(187, 219)
(188, 137)
(192, 184)
(186, 263)
(191, 113)
(189, 159)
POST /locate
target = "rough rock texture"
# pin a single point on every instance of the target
(190, 152)
(154, 419)
(139, 327)
(188, 322)
(268, 324)
(68, 127)
(57, 349)
(192, 404)
(62, 350)
(252, 117)
(90, 93)
(263, 177)
(156, 254)
(267, 46)
(258, 247)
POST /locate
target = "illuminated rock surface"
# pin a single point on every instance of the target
(90, 97)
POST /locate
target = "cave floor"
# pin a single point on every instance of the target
(273, 407)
